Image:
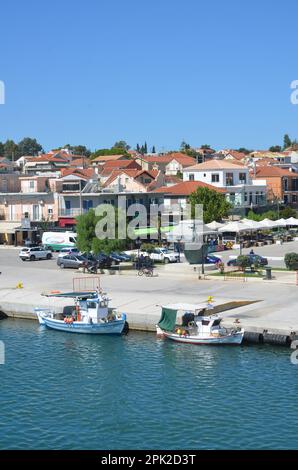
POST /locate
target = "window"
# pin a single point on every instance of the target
(215, 178)
(242, 177)
(91, 305)
(50, 210)
(31, 184)
(191, 177)
(229, 179)
(72, 240)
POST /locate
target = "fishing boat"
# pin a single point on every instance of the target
(195, 324)
(90, 314)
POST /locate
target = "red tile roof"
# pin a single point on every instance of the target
(167, 158)
(273, 171)
(133, 173)
(109, 167)
(186, 188)
(237, 155)
(85, 173)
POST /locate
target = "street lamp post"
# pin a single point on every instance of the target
(138, 243)
(203, 254)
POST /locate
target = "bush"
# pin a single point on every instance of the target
(148, 247)
(291, 261)
(243, 261)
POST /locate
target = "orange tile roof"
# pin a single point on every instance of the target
(85, 173)
(216, 165)
(186, 188)
(273, 171)
(133, 173)
(237, 155)
(178, 156)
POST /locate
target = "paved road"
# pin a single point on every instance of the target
(272, 252)
(141, 297)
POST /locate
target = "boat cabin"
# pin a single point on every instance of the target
(189, 316)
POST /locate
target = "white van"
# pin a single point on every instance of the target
(57, 240)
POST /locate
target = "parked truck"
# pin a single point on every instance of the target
(58, 240)
(163, 255)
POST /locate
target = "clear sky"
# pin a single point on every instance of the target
(92, 72)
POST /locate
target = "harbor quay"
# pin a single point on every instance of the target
(267, 310)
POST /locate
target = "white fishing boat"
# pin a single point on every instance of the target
(90, 314)
(195, 324)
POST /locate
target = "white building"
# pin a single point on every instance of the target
(240, 189)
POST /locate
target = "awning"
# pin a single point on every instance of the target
(168, 319)
(9, 227)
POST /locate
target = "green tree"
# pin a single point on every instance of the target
(153, 149)
(287, 141)
(1, 149)
(215, 205)
(11, 150)
(121, 144)
(86, 224)
(243, 150)
(288, 212)
(205, 147)
(291, 261)
(243, 261)
(184, 146)
(138, 149)
(29, 146)
(76, 149)
(86, 236)
(275, 148)
(111, 151)
(145, 148)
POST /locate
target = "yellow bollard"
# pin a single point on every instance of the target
(20, 285)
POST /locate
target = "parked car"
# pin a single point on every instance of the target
(68, 251)
(34, 253)
(253, 259)
(211, 259)
(116, 257)
(163, 255)
(109, 260)
(102, 261)
(72, 261)
(125, 256)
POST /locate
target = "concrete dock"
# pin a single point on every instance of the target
(272, 317)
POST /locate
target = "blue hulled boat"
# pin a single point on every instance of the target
(90, 314)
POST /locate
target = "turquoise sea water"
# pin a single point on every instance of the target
(65, 391)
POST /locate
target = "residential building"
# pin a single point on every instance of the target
(176, 196)
(234, 178)
(282, 184)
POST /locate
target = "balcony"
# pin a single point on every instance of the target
(71, 212)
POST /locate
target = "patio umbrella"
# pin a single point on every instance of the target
(234, 227)
(280, 223)
(214, 225)
(267, 223)
(253, 224)
(292, 221)
(189, 230)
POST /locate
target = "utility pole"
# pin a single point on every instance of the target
(80, 197)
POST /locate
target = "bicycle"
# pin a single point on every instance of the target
(148, 271)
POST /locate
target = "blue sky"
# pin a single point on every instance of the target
(95, 71)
